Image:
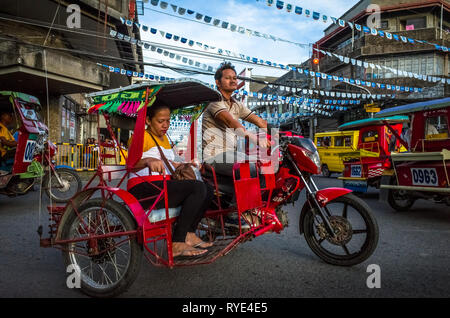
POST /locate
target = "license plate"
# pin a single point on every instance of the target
(424, 176)
(29, 151)
(355, 171)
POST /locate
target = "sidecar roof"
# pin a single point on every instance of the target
(415, 107)
(175, 94)
(373, 122)
(22, 96)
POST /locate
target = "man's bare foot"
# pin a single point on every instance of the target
(194, 241)
(183, 249)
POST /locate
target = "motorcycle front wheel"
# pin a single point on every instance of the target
(66, 190)
(356, 231)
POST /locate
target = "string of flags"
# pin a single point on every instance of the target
(311, 92)
(164, 52)
(148, 76)
(355, 62)
(272, 98)
(216, 22)
(299, 101)
(179, 123)
(317, 16)
(266, 97)
(347, 60)
(254, 60)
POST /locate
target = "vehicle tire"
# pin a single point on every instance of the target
(399, 200)
(336, 251)
(121, 263)
(62, 193)
(325, 171)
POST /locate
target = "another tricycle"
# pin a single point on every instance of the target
(423, 172)
(377, 141)
(31, 158)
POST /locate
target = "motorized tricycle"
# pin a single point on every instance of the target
(364, 167)
(423, 172)
(104, 231)
(33, 155)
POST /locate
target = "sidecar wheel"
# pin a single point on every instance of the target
(107, 266)
(399, 200)
(355, 227)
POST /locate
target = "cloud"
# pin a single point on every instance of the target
(250, 14)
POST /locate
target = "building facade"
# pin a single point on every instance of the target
(421, 20)
(51, 49)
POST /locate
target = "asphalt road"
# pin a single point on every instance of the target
(413, 255)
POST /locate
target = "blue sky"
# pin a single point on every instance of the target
(250, 14)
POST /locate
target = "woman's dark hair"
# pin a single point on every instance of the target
(224, 66)
(152, 110)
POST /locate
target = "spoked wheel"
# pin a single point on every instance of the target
(65, 190)
(399, 200)
(355, 228)
(108, 265)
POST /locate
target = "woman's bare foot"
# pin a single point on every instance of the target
(194, 241)
(183, 249)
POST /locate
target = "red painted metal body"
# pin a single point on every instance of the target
(155, 237)
(429, 166)
(29, 130)
(419, 141)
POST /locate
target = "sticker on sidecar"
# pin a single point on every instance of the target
(29, 151)
(424, 176)
(355, 171)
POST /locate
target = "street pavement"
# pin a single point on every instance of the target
(413, 255)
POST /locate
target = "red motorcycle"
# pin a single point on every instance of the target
(104, 231)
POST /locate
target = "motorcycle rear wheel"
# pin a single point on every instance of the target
(354, 225)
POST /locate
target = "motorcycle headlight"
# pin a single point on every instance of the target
(314, 157)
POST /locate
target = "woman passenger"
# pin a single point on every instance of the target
(193, 196)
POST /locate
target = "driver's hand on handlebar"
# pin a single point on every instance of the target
(262, 142)
(265, 143)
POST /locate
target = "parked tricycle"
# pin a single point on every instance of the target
(364, 167)
(423, 172)
(104, 231)
(31, 159)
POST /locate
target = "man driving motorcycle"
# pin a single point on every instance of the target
(221, 125)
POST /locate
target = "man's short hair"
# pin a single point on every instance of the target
(224, 66)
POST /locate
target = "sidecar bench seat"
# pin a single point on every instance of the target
(160, 214)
